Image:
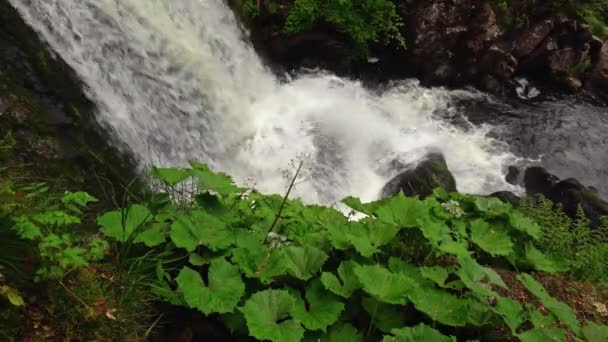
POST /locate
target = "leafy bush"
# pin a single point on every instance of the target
(279, 270)
(583, 249)
(365, 21)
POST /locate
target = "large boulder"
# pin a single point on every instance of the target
(599, 74)
(569, 193)
(421, 179)
(531, 38)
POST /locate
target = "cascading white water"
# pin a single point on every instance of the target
(177, 81)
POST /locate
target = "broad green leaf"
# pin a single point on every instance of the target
(543, 262)
(197, 260)
(347, 282)
(434, 231)
(419, 333)
(223, 292)
(511, 311)
(267, 314)
(543, 335)
(384, 316)
(491, 239)
(492, 206)
(235, 322)
(494, 277)
(304, 262)
(520, 222)
(541, 320)
(200, 228)
(213, 181)
(397, 265)
(342, 332)
(559, 309)
(336, 225)
(153, 235)
(456, 248)
(473, 276)
(384, 285)
(402, 211)
(322, 308)
(368, 236)
(122, 223)
(98, 248)
(595, 332)
(440, 306)
(437, 274)
(479, 312)
(183, 236)
(262, 262)
(171, 176)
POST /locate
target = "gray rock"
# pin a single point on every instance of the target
(530, 39)
(420, 180)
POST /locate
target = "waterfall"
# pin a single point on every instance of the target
(175, 81)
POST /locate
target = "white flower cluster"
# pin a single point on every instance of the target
(453, 207)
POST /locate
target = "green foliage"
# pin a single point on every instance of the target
(314, 274)
(365, 21)
(582, 249)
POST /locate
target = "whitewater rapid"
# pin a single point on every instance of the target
(175, 81)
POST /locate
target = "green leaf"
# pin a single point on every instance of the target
(153, 235)
(267, 314)
(324, 308)
(262, 262)
(200, 228)
(492, 206)
(366, 237)
(171, 176)
(121, 224)
(197, 260)
(56, 218)
(342, 332)
(388, 287)
(473, 276)
(491, 239)
(434, 231)
(562, 311)
(384, 316)
(402, 211)
(12, 295)
(213, 181)
(440, 306)
(437, 274)
(511, 311)
(348, 282)
(419, 333)
(98, 248)
(223, 292)
(304, 262)
(595, 332)
(542, 262)
(73, 200)
(543, 335)
(26, 229)
(520, 222)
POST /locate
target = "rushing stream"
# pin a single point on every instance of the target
(178, 80)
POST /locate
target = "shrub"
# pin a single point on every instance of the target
(279, 270)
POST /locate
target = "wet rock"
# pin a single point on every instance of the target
(508, 197)
(562, 61)
(599, 74)
(311, 49)
(537, 180)
(482, 29)
(499, 63)
(568, 193)
(530, 39)
(512, 176)
(420, 181)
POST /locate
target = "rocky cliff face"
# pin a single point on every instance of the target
(455, 43)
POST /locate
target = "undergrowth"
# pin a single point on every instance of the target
(276, 269)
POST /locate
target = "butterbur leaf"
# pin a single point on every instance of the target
(491, 239)
(171, 176)
(262, 262)
(549, 334)
(304, 262)
(437, 274)
(153, 235)
(419, 333)
(402, 211)
(494, 277)
(348, 282)
(492, 206)
(268, 316)
(182, 236)
(213, 181)
(511, 311)
(122, 223)
(200, 228)
(595, 332)
(384, 285)
(368, 237)
(434, 231)
(542, 262)
(386, 317)
(197, 260)
(342, 332)
(324, 308)
(223, 292)
(235, 322)
(562, 311)
(472, 275)
(520, 222)
(440, 306)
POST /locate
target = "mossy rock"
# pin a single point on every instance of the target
(429, 174)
